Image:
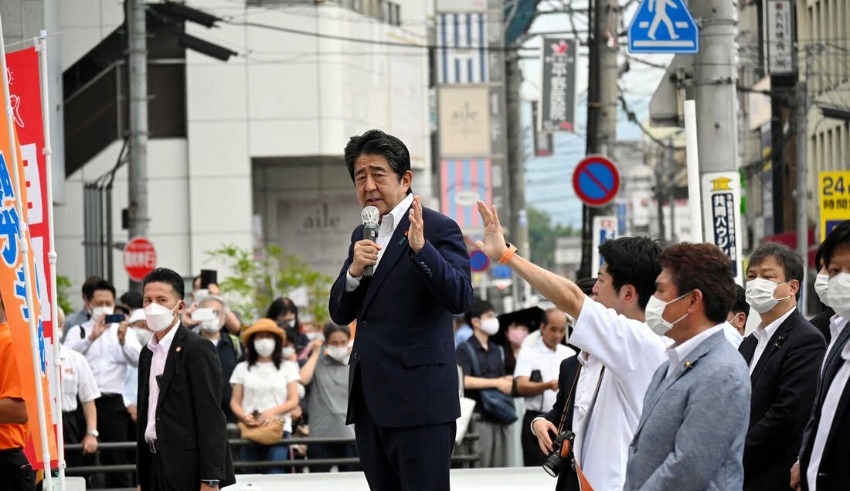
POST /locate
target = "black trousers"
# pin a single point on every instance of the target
(415, 458)
(112, 423)
(16, 473)
(531, 454)
(158, 480)
(332, 451)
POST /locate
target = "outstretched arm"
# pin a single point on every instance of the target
(565, 294)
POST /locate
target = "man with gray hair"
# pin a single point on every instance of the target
(210, 314)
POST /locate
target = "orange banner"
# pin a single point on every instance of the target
(13, 286)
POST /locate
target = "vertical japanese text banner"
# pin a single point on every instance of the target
(12, 261)
(558, 93)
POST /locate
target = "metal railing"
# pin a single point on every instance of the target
(465, 455)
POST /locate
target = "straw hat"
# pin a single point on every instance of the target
(263, 325)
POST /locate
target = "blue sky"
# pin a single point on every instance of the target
(549, 179)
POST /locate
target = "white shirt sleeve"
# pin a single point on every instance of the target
(77, 339)
(86, 385)
(628, 348)
(132, 348)
(238, 375)
(351, 283)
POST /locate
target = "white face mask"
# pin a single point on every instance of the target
(143, 335)
(98, 312)
(839, 294)
(490, 325)
(211, 325)
(760, 294)
(264, 347)
(822, 288)
(339, 353)
(159, 317)
(287, 352)
(654, 314)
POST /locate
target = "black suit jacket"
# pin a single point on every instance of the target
(783, 389)
(833, 472)
(190, 425)
(403, 361)
(822, 321)
(567, 481)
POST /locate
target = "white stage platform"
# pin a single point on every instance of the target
(500, 479)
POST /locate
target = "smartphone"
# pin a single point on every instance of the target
(536, 376)
(113, 318)
(208, 276)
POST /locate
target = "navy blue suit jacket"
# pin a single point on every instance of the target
(404, 354)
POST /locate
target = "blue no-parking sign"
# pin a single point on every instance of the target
(663, 26)
(596, 180)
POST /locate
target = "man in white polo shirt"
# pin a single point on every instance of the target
(536, 376)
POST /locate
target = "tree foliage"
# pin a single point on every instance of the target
(257, 278)
(542, 235)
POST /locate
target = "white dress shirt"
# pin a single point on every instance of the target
(77, 379)
(160, 354)
(830, 404)
(836, 325)
(678, 353)
(538, 356)
(107, 358)
(763, 335)
(386, 229)
(732, 335)
(631, 353)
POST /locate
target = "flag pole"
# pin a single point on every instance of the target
(51, 255)
(28, 280)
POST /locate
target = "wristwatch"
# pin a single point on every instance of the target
(213, 483)
(93, 433)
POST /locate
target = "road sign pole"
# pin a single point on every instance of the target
(715, 77)
(601, 108)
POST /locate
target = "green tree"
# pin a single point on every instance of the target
(63, 283)
(257, 278)
(542, 236)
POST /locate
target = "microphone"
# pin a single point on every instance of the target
(370, 216)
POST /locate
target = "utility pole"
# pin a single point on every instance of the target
(715, 75)
(138, 170)
(601, 108)
(516, 167)
(802, 177)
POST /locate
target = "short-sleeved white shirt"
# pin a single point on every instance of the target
(77, 379)
(264, 386)
(538, 356)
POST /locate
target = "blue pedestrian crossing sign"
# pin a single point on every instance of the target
(663, 26)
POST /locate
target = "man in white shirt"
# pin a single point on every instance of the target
(109, 352)
(822, 465)
(536, 376)
(783, 354)
(619, 353)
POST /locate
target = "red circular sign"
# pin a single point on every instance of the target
(596, 180)
(139, 258)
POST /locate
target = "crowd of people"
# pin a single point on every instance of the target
(644, 378)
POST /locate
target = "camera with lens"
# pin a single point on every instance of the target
(561, 457)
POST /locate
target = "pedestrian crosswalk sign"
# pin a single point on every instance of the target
(663, 26)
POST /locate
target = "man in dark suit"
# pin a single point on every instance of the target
(561, 415)
(182, 442)
(784, 354)
(403, 380)
(822, 465)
